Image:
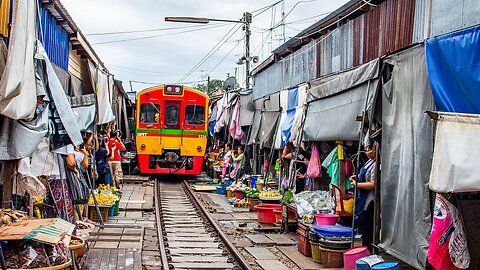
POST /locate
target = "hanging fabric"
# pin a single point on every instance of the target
(18, 98)
(235, 129)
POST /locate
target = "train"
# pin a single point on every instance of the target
(171, 130)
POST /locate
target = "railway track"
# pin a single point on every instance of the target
(188, 236)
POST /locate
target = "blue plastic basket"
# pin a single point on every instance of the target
(220, 189)
(333, 231)
(111, 211)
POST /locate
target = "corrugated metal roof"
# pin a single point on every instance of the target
(54, 38)
(5, 7)
(419, 21)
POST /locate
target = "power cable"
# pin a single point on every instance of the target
(263, 9)
(155, 36)
(223, 59)
(215, 48)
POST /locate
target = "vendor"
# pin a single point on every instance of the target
(300, 168)
(365, 195)
(238, 158)
(227, 159)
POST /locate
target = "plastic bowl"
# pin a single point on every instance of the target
(265, 212)
(326, 219)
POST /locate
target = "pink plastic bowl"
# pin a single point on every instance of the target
(326, 219)
(265, 212)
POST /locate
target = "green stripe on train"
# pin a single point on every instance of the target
(171, 131)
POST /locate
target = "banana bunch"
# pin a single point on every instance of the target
(102, 199)
(269, 193)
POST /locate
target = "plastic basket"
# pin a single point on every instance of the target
(116, 207)
(93, 216)
(111, 211)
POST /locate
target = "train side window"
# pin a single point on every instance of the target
(195, 115)
(171, 115)
(149, 113)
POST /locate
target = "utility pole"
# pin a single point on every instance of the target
(131, 88)
(283, 21)
(248, 20)
(208, 85)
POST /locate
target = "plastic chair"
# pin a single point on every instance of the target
(338, 199)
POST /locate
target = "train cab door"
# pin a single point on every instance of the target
(195, 120)
(172, 125)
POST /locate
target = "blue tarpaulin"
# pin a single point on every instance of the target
(290, 115)
(453, 65)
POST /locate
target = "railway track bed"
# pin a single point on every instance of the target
(188, 236)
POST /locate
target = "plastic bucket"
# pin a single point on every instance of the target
(351, 256)
(265, 212)
(386, 265)
(326, 219)
(278, 215)
(316, 255)
(253, 202)
(332, 258)
(361, 265)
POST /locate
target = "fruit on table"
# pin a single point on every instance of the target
(269, 194)
(102, 199)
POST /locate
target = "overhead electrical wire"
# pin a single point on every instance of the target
(223, 59)
(155, 36)
(215, 48)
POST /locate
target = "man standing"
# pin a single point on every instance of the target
(115, 145)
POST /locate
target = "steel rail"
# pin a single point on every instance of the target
(161, 243)
(237, 256)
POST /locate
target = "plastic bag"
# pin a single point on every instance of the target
(314, 169)
(448, 244)
(27, 255)
(313, 201)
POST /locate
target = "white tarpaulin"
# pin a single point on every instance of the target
(298, 120)
(101, 83)
(454, 168)
(18, 95)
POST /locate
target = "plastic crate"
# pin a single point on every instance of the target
(304, 246)
(93, 216)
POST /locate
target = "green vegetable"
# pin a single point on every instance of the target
(288, 196)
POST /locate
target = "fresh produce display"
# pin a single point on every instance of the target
(103, 198)
(106, 187)
(252, 193)
(238, 186)
(270, 194)
(9, 216)
(288, 196)
(243, 203)
(308, 218)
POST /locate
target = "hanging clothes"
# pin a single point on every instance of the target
(331, 163)
(235, 129)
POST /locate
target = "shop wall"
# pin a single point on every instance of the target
(54, 38)
(335, 50)
(452, 15)
(294, 69)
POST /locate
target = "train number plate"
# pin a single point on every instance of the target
(141, 134)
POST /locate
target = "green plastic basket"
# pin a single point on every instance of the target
(116, 206)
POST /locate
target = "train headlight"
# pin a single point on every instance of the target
(143, 146)
(199, 148)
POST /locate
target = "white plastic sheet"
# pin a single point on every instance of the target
(18, 95)
(101, 83)
(454, 166)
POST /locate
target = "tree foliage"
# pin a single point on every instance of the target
(213, 85)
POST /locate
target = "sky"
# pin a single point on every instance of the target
(159, 52)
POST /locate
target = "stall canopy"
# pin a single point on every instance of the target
(270, 115)
(406, 157)
(291, 101)
(257, 120)
(453, 63)
(246, 108)
(336, 101)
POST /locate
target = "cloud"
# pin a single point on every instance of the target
(169, 57)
